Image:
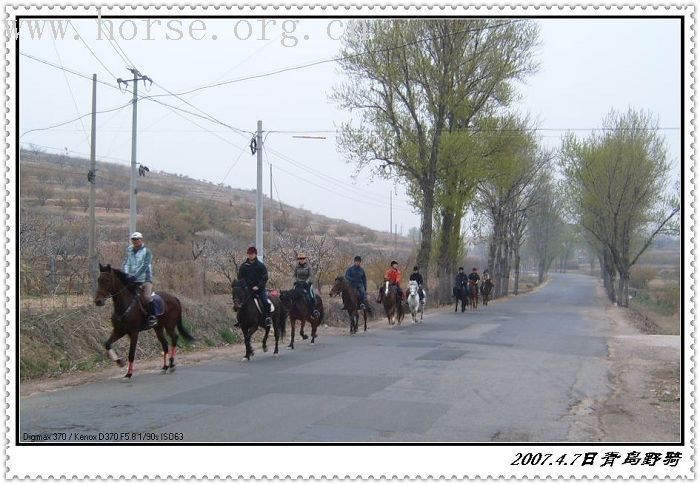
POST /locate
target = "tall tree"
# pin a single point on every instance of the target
(411, 80)
(619, 183)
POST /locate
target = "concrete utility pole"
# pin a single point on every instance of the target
(391, 213)
(133, 189)
(92, 253)
(272, 208)
(259, 197)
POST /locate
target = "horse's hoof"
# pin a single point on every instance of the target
(164, 369)
(245, 359)
(120, 362)
(290, 346)
(304, 337)
(312, 343)
(264, 349)
(276, 354)
(172, 368)
(127, 376)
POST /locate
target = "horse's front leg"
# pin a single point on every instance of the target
(264, 342)
(314, 326)
(116, 335)
(301, 330)
(248, 347)
(133, 339)
(291, 340)
(277, 340)
(364, 314)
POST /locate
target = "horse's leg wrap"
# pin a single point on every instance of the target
(112, 354)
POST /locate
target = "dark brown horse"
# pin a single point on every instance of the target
(250, 317)
(486, 288)
(392, 302)
(461, 294)
(294, 302)
(474, 294)
(129, 316)
(351, 302)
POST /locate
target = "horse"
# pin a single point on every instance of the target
(414, 303)
(129, 317)
(393, 307)
(351, 302)
(486, 288)
(250, 317)
(474, 294)
(294, 302)
(461, 294)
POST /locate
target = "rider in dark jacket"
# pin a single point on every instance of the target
(254, 273)
(474, 275)
(418, 278)
(460, 279)
(357, 279)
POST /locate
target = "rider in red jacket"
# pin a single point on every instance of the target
(393, 276)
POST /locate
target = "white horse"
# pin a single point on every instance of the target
(414, 304)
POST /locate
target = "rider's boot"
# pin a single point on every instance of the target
(151, 319)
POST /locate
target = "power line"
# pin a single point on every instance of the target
(341, 184)
(70, 90)
(342, 58)
(75, 119)
(91, 51)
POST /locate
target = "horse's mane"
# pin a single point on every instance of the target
(120, 274)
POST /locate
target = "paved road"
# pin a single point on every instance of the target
(508, 372)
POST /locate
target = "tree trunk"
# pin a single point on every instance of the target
(516, 265)
(426, 230)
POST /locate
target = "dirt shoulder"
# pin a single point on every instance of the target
(643, 403)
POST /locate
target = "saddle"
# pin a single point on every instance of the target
(257, 305)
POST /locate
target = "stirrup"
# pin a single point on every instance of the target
(151, 322)
(363, 306)
(316, 314)
(268, 322)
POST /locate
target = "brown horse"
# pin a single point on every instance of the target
(249, 317)
(486, 288)
(392, 302)
(474, 294)
(129, 316)
(295, 303)
(461, 294)
(351, 301)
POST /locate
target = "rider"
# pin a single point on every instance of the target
(418, 278)
(393, 276)
(303, 278)
(460, 279)
(137, 267)
(474, 276)
(357, 279)
(487, 276)
(254, 273)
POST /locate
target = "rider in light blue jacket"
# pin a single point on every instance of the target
(137, 266)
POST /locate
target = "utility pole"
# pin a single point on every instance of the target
(259, 197)
(395, 233)
(391, 212)
(92, 254)
(133, 189)
(272, 207)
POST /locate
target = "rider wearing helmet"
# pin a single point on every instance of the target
(137, 267)
(254, 273)
(393, 276)
(303, 279)
(418, 278)
(356, 278)
(474, 275)
(487, 276)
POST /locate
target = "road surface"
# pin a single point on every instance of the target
(512, 371)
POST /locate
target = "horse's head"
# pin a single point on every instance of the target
(337, 286)
(105, 285)
(412, 287)
(240, 293)
(287, 297)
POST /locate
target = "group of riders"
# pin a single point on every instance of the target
(253, 272)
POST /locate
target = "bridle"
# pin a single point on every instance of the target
(113, 294)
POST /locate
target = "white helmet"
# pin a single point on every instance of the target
(137, 235)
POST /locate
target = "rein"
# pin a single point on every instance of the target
(112, 295)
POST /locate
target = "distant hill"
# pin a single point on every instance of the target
(181, 217)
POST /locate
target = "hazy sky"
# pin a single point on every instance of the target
(587, 67)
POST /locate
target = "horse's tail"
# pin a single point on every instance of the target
(180, 327)
(283, 320)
